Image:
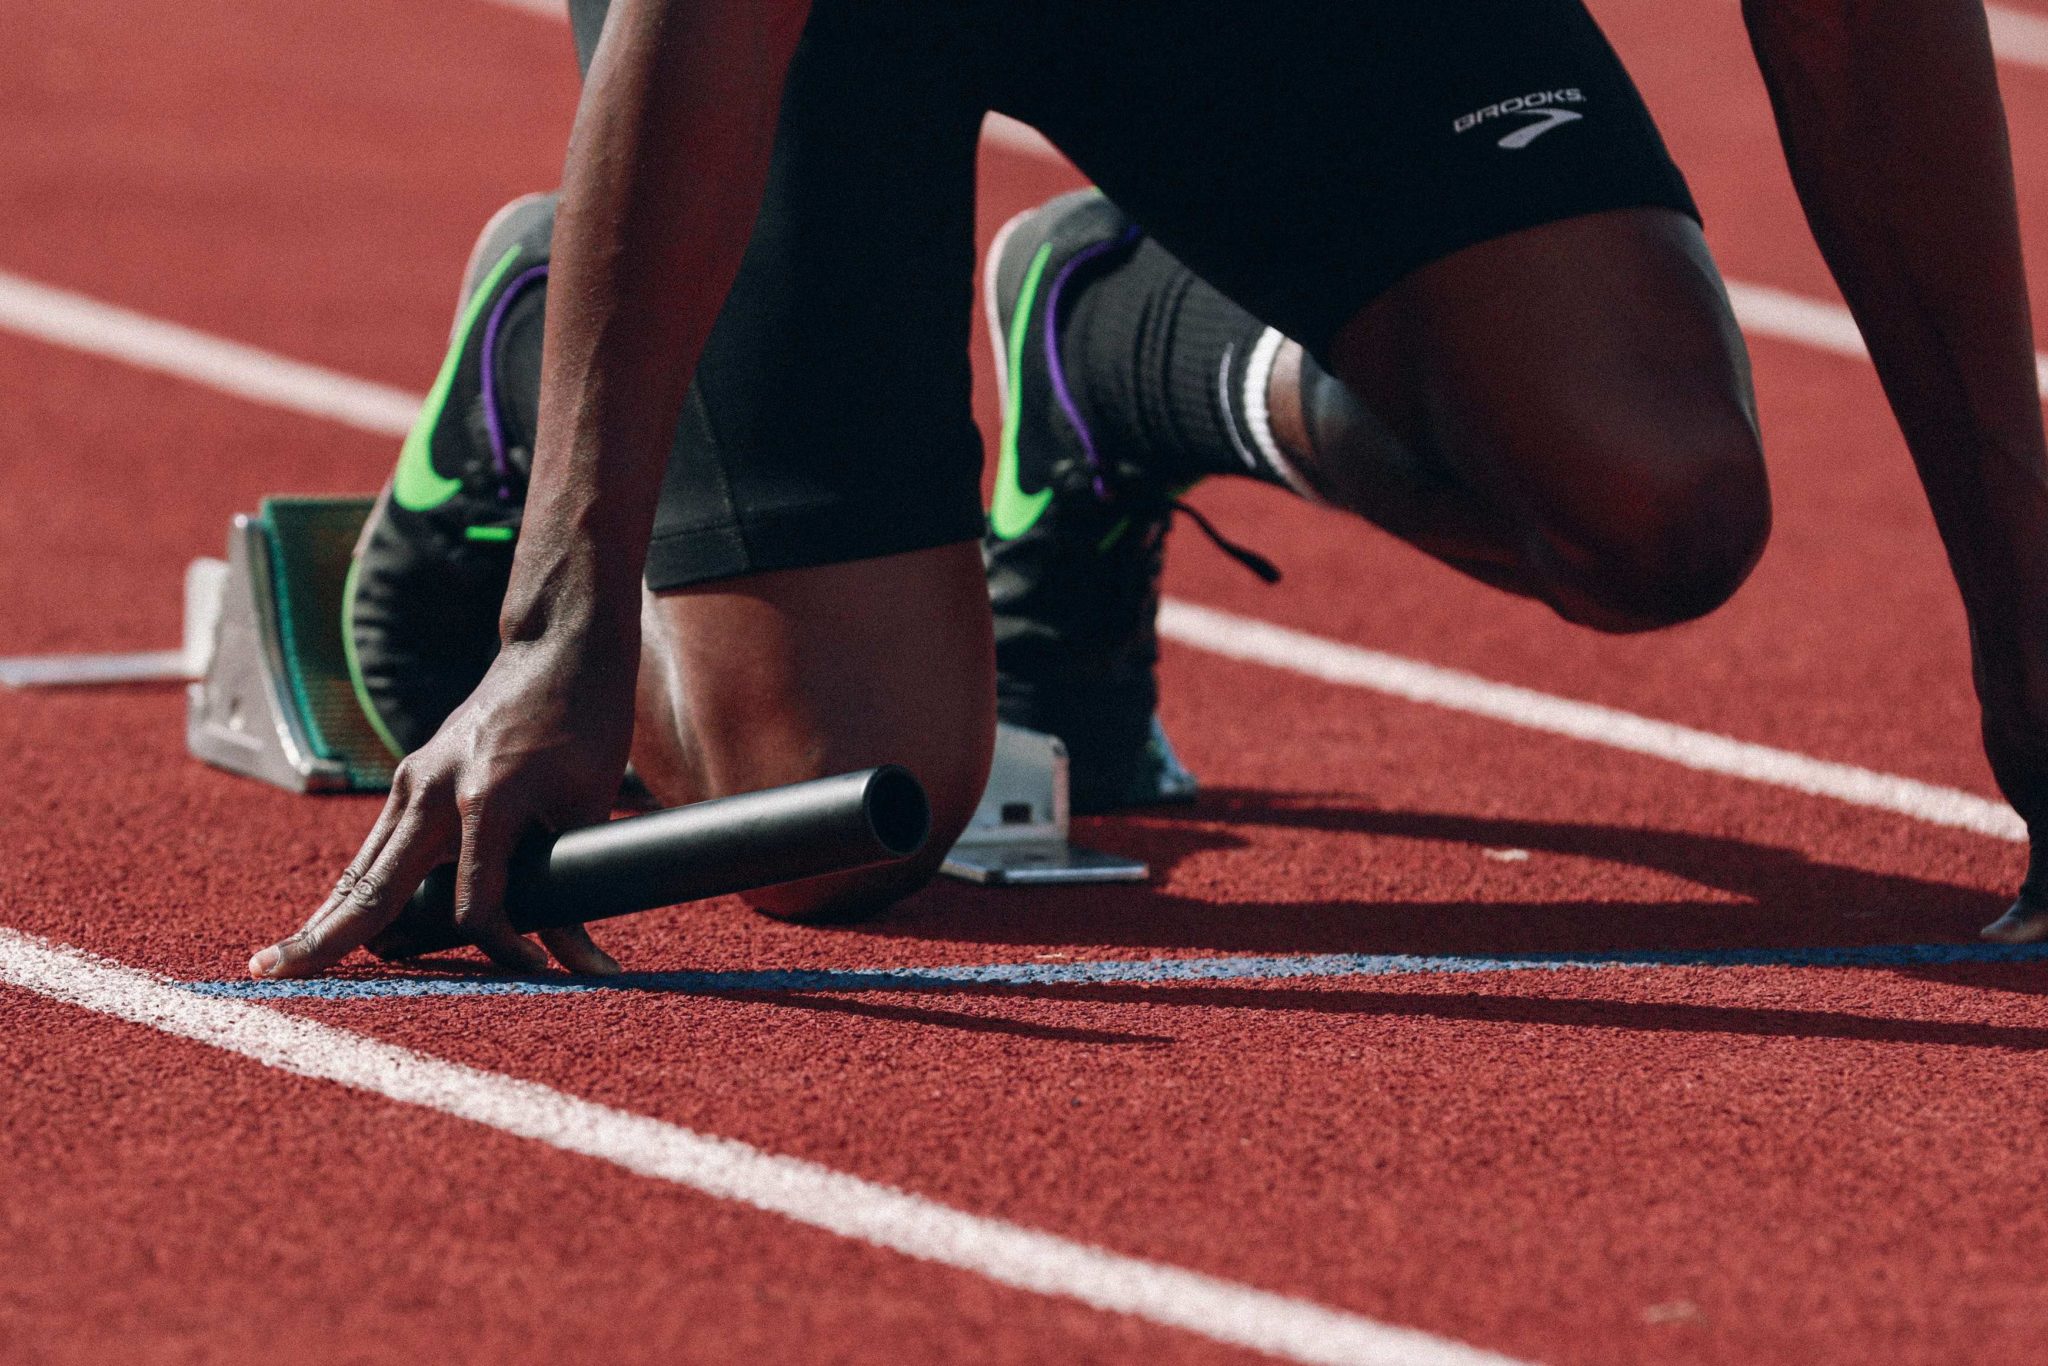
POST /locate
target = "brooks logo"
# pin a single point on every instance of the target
(1541, 105)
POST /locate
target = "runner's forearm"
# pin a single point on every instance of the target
(1895, 133)
(662, 184)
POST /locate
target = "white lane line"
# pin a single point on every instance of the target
(1259, 642)
(65, 319)
(1766, 312)
(1783, 316)
(93, 670)
(1007, 1253)
(547, 9)
(2018, 37)
(324, 393)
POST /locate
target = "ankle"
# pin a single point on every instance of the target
(1276, 417)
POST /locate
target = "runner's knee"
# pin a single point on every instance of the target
(668, 754)
(786, 675)
(953, 787)
(1678, 520)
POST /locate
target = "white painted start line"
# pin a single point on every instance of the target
(726, 1169)
(73, 320)
(2018, 37)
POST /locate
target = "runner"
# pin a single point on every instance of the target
(1428, 262)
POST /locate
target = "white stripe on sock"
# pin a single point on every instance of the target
(1245, 456)
(1258, 417)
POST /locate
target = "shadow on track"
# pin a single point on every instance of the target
(947, 1019)
(1775, 896)
(1568, 1012)
(1767, 896)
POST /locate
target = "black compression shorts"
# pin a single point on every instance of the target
(1301, 155)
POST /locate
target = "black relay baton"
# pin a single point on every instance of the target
(686, 853)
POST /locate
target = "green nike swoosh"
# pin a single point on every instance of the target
(1012, 511)
(416, 485)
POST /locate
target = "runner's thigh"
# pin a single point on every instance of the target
(1303, 156)
(1464, 211)
(831, 418)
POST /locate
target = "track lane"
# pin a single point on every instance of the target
(1839, 1241)
(1919, 671)
(306, 178)
(248, 1214)
(1586, 1154)
(1432, 1121)
(1694, 67)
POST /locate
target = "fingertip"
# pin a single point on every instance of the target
(266, 962)
(575, 950)
(525, 954)
(2023, 924)
(598, 963)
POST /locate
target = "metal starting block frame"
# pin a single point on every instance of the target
(203, 581)
(273, 700)
(1018, 836)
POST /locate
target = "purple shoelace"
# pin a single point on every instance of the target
(500, 461)
(1097, 475)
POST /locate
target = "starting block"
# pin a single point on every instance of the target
(273, 700)
(1019, 832)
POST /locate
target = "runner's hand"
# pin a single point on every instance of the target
(540, 745)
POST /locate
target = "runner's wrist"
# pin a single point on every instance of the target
(575, 599)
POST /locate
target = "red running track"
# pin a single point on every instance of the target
(1684, 1164)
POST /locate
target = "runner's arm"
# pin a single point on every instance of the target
(666, 169)
(663, 181)
(1892, 124)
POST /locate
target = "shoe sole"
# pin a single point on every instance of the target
(356, 681)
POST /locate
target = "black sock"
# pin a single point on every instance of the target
(1159, 361)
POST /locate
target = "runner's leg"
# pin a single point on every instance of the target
(1563, 412)
(815, 599)
(777, 677)
(1522, 360)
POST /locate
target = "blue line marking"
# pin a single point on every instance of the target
(1114, 972)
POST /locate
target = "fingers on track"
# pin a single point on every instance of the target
(409, 839)
(488, 840)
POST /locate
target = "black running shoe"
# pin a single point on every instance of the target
(1077, 533)
(420, 610)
